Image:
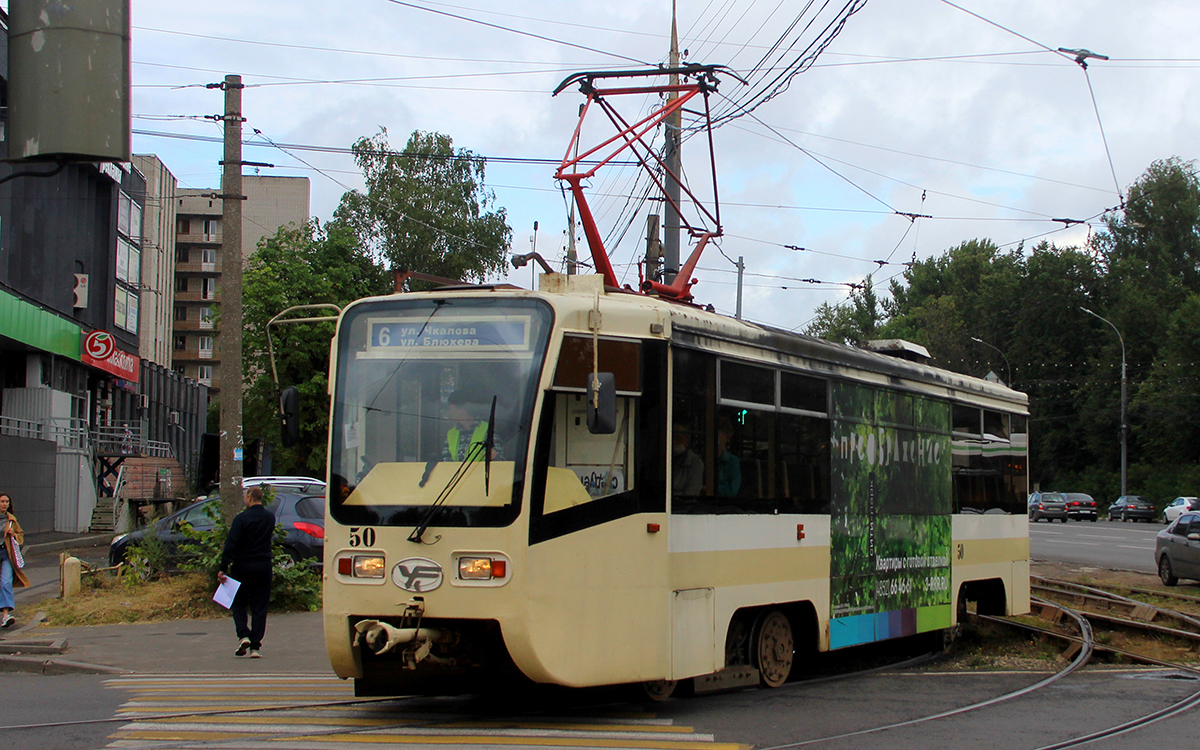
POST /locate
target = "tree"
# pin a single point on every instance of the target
(425, 208)
(299, 266)
(971, 290)
(853, 323)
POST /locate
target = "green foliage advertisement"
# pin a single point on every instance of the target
(891, 502)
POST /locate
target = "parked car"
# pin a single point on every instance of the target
(302, 517)
(1048, 505)
(1177, 549)
(1131, 508)
(1080, 506)
(1178, 507)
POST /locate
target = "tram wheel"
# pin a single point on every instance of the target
(659, 690)
(774, 649)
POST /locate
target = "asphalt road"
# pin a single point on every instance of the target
(1104, 544)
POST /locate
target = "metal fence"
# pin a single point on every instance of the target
(66, 433)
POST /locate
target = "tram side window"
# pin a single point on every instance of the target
(802, 480)
(693, 432)
(989, 467)
(583, 479)
(748, 446)
(601, 464)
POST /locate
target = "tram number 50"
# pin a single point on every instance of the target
(360, 537)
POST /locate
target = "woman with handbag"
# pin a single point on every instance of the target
(11, 561)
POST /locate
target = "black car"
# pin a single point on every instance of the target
(1047, 505)
(301, 516)
(1131, 508)
(1080, 506)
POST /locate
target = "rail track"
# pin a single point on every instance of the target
(1087, 605)
(1106, 608)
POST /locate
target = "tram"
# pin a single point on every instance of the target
(755, 495)
(587, 485)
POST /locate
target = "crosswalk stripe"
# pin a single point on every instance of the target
(322, 714)
(476, 740)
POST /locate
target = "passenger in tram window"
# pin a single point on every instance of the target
(687, 470)
(729, 466)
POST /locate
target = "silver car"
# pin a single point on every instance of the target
(1177, 549)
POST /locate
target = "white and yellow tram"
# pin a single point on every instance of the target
(756, 496)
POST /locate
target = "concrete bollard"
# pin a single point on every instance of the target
(70, 571)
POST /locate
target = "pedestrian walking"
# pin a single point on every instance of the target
(247, 559)
(11, 562)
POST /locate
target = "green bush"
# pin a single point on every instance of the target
(147, 559)
(294, 586)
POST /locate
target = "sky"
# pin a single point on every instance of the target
(960, 114)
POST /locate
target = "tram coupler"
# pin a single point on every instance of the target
(382, 637)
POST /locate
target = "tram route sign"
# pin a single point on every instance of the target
(419, 336)
(890, 515)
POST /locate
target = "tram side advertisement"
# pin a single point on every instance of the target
(890, 515)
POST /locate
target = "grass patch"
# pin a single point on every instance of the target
(107, 600)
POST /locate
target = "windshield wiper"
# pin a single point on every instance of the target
(444, 495)
(488, 443)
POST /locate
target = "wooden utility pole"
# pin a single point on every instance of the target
(229, 337)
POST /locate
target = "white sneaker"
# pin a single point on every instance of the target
(254, 654)
(243, 647)
(8, 621)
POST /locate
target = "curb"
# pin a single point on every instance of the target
(91, 540)
(40, 665)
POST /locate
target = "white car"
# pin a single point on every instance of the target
(1178, 507)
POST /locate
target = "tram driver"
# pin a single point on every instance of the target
(466, 430)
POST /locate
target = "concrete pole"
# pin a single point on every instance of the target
(674, 164)
(741, 269)
(229, 337)
(653, 248)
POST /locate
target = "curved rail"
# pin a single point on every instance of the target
(1081, 658)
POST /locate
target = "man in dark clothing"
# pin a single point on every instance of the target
(248, 551)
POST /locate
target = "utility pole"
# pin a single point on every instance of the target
(653, 248)
(229, 337)
(674, 165)
(741, 269)
(572, 256)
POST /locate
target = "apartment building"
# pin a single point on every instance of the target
(271, 202)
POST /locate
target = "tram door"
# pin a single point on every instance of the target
(599, 598)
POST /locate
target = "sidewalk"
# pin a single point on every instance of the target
(294, 642)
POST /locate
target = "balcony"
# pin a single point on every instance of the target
(197, 238)
(193, 325)
(193, 297)
(194, 355)
(190, 267)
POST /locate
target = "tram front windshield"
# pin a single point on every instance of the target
(434, 407)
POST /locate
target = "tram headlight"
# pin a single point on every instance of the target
(368, 566)
(481, 568)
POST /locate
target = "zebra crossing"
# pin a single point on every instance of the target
(320, 712)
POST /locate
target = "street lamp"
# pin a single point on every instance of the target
(1124, 427)
(1006, 364)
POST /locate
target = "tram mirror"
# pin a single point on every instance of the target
(289, 416)
(602, 411)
